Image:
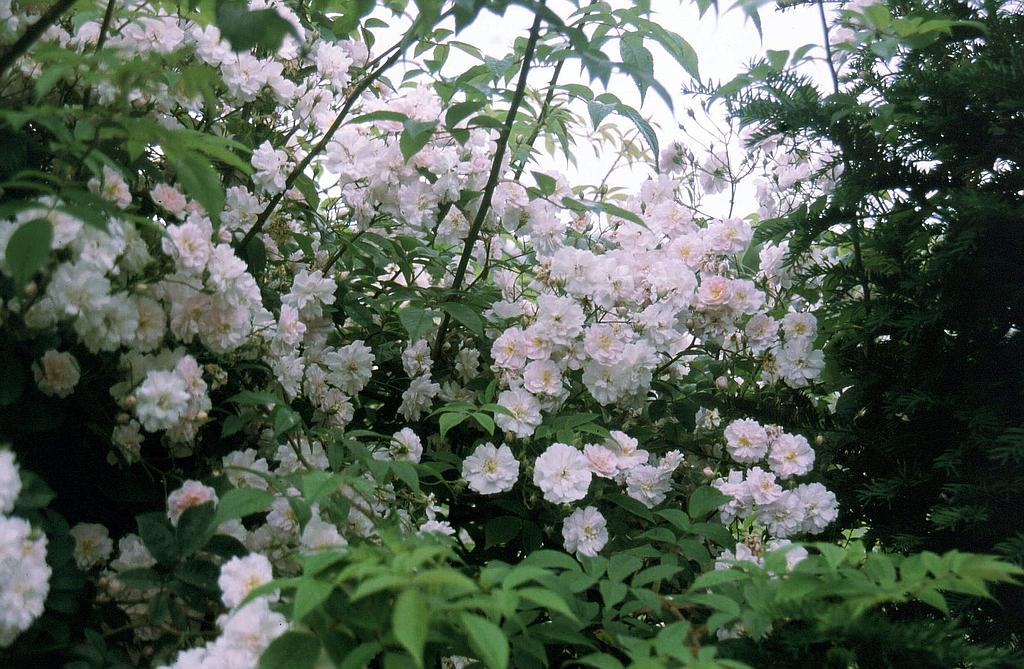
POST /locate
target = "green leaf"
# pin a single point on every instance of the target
(381, 116)
(612, 592)
(656, 573)
(622, 565)
(418, 322)
(244, 29)
(28, 249)
(233, 424)
(316, 562)
(933, 598)
(158, 536)
(410, 621)
(199, 573)
(487, 641)
(415, 136)
(716, 532)
(241, 502)
(449, 420)
(226, 547)
(465, 315)
(600, 661)
(461, 111)
(550, 559)
(292, 650)
(255, 256)
(159, 607)
(285, 420)
(704, 500)
(642, 125)
(35, 492)
(195, 527)
(198, 178)
(545, 183)
(677, 517)
(310, 594)
(499, 531)
(142, 579)
(548, 599)
(253, 398)
(717, 577)
(633, 506)
(49, 77)
(486, 422)
(637, 61)
(406, 472)
(676, 46)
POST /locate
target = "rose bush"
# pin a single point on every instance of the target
(323, 375)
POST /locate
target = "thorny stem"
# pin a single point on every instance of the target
(492, 180)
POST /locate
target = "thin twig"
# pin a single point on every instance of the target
(345, 244)
(492, 180)
(828, 47)
(363, 84)
(540, 117)
(33, 33)
(105, 26)
(108, 16)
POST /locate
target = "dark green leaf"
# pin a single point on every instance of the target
(310, 594)
(195, 527)
(198, 178)
(410, 621)
(499, 531)
(28, 249)
(245, 29)
(241, 502)
(158, 536)
(704, 500)
(415, 136)
(465, 315)
(487, 641)
(449, 420)
(418, 322)
(292, 650)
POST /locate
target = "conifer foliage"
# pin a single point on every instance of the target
(926, 301)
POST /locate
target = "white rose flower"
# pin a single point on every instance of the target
(746, 441)
(585, 532)
(241, 575)
(56, 373)
(92, 544)
(490, 470)
(562, 473)
(162, 400)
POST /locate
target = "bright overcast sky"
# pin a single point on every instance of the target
(724, 43)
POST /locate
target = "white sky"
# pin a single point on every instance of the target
(724, 43)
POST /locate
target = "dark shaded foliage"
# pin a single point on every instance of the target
(927, 307)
